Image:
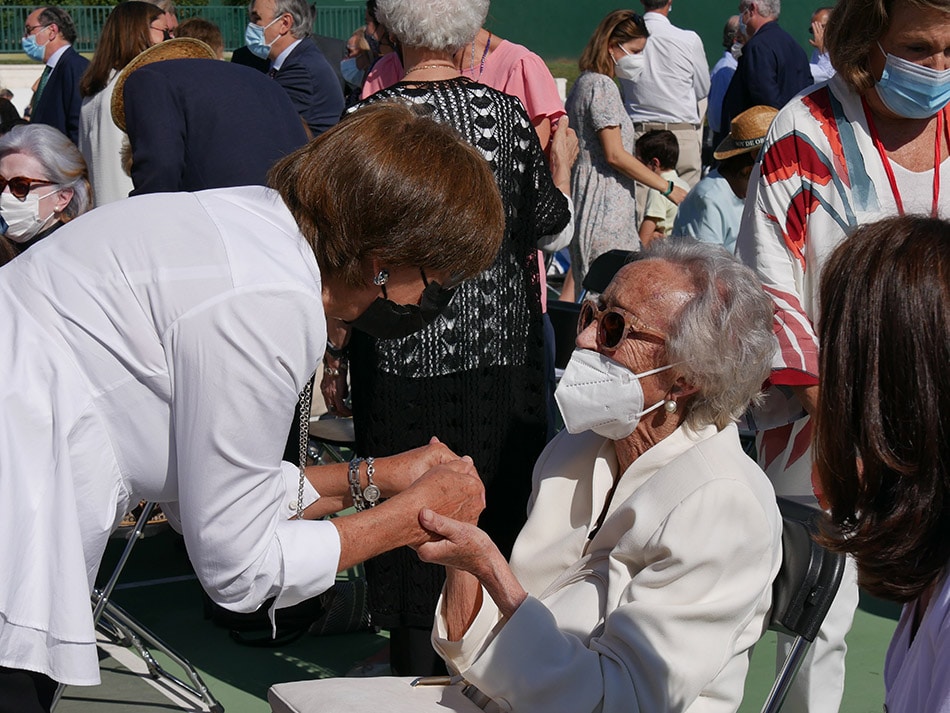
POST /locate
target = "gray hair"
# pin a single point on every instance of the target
(302, 12)
(61, 161)
(767, 8)
(166, 5)
(441, 25)
(723, 335)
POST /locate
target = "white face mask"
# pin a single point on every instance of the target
(736, 50)
(598, 394)
(630, 66)
(23, 217)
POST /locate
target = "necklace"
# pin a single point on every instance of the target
(420, 67)
(943, 126)
(481, 65)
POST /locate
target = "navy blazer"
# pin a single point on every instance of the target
(60, 102)
(773, 68)
(202, 123)
(312, 85)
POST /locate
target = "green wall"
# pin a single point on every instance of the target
(558, 29)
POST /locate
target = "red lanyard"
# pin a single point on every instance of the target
(942, 126)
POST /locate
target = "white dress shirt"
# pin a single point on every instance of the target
(154, 349)
(674, 79)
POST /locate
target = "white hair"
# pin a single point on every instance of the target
(766, 8)
(60, 159)
(441, 25)
(723, 335)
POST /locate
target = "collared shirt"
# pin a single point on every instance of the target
(820, 65)
(278, 63)
(674, 79)
(51, 62)
(719, 79)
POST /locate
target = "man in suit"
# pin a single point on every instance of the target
(201, 123)
(280, 30)
(48, 37)
(773, 67)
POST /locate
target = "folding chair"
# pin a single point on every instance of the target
(802, 592)
(115, 622)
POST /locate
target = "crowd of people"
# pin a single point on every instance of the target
(187, 239)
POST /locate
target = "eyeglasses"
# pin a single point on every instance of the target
(20, 186)
(167, 34)
(614, 324)
(27, 30)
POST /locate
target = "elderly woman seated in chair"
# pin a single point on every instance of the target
(643, 574)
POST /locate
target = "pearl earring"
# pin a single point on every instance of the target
(382, 277)
(670, 406)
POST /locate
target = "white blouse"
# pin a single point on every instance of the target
(100, 143)
(154, 348)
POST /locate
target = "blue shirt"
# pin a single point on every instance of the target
(719, 79)
(710, 213)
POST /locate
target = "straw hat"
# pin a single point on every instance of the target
(180, 48)
(746, 132)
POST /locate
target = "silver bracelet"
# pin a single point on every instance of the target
(353, 478)
(371, 493)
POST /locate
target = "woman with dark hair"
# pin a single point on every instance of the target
(131, 28)
(156, 348)
(602, 183)
(882, 451)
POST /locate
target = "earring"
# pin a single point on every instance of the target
(382, 277)
(670, 406)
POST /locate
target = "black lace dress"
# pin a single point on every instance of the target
(474, 377)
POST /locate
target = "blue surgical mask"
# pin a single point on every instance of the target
(911, 90)
(351, 73)
(254, 39)
(33, 49)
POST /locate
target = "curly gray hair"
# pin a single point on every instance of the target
(766, 8)
(60, 159)
(723, 335)
(441, 25)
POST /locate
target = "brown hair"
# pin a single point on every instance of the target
(618, 27)
(853, 29)
(124, 36)
(390, 183)
(882, 447)
(201, 29)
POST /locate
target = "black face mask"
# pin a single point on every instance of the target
(385, 319)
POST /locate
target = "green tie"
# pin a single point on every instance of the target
(42, 86)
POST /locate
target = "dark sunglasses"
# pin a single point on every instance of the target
(614, 324)
(20, 185)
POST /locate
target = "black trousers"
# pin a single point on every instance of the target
(25, 691)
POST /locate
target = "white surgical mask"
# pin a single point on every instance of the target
(23, 217)
(630, 66)
(600, 395)
(736, 50)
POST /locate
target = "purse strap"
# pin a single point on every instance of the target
(304, 425)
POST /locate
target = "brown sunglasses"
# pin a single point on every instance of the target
(614, 324)
(20, 186)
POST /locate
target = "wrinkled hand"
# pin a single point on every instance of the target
(452, 489)
(400, 471)
(564, 151)
(334, 388)
(455, 544)
(678, 195)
